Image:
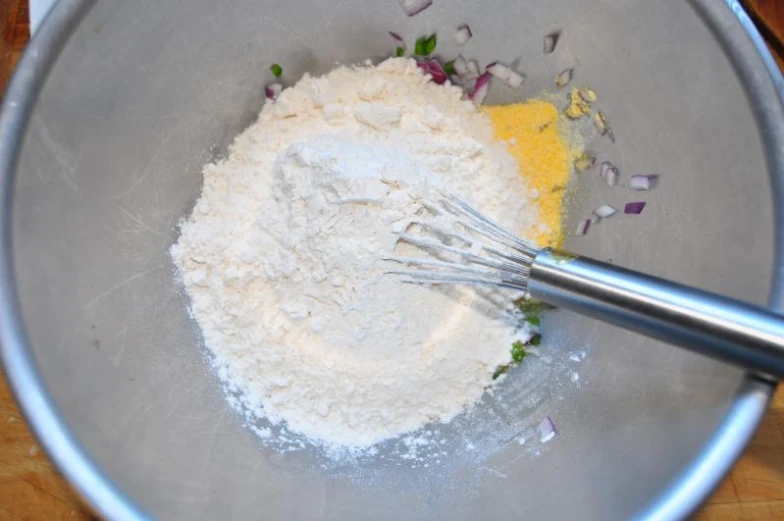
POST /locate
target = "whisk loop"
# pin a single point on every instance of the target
(462, 246)
(488, 255)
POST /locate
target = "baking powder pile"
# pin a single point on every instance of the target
(282, 256)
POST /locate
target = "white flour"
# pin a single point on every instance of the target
(281, 256)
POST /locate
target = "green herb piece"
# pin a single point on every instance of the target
(530, 310)
(533, 320)
(430, 45)
(518, 351)
(419, 46)
(449, 68)
(400, 52)
(425, 46)
(276, 69)
(502, 369)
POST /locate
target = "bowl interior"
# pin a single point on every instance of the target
(143, 95)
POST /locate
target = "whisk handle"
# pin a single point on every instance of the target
(741, 334)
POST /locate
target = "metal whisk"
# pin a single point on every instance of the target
(466, 247)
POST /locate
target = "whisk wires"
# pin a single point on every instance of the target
(464, 247)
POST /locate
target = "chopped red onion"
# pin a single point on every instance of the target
(643, 182)
(547, 430)
(398, 39)
(505, 74)
(609, 173)
(634, 208)
(437, 72)
(412, 7)
(583, 227)
(434, 68)
(473, 70)
(273, 90)
(461, 66)
(605, 211)
(479, 92)
(463, 34)
(564, 78)
(550, 41)
(515, 79)
(499, 70)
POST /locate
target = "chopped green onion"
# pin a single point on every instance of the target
(449, 68)
(535, 340)
(425, 46)
(400, 51)
(533, 320)
(276, 69)
(518, 351)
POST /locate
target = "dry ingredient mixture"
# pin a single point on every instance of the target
(282, 256)
(536, 140)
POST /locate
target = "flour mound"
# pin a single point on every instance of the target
(282, 256)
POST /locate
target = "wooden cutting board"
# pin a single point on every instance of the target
(32, 490)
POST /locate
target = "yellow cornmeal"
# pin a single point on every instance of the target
(544, 157)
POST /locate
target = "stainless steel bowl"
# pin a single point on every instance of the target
(116, 105)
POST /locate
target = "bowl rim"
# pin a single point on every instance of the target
(757, 71)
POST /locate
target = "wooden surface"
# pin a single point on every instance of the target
(32, 490)
(769, 17)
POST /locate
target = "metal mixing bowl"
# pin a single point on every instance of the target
(117, 105)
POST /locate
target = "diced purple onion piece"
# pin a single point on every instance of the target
(473, 70)
(609, 173)
(479, 92)
(605, 211)
(463, 34)
(461, 66)
(499, 70)
(437, 72)
(434, 68)
(505, 74)
(515, 79)
(634, 208)
(643, 182)
(413, 7)
(583, 227)
(397, 38)
(547, 430)
(273, 90)
(550, 41)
